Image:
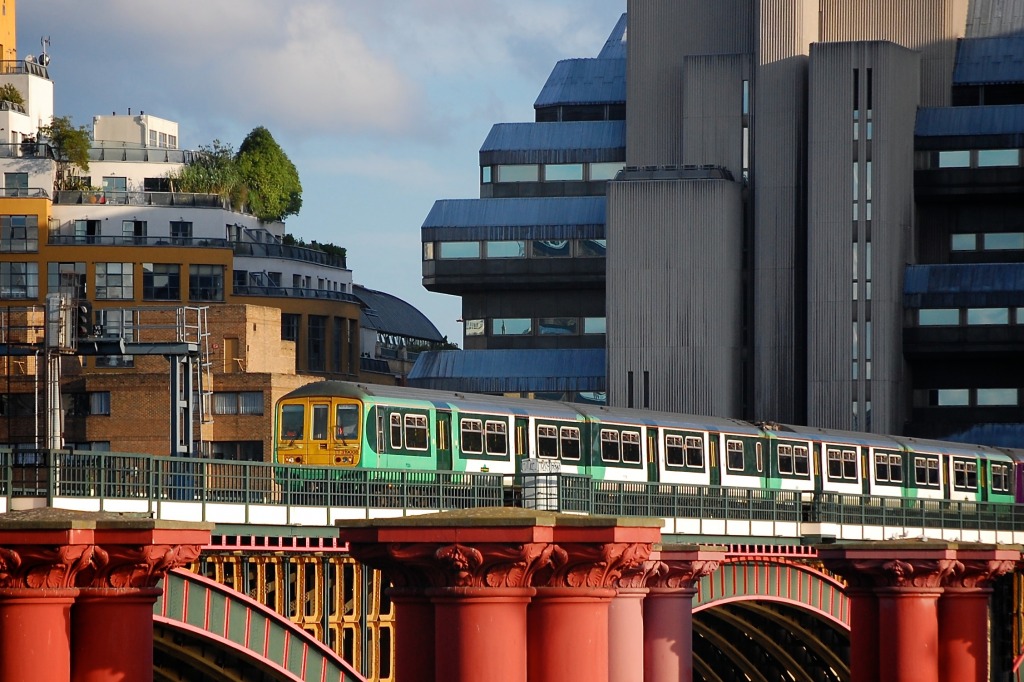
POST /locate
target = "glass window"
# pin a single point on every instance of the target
(161, 281)
(497, 438)
(512, 326)
(485, 174)
(428, 250)
(181, 232)
(926, 471)
(19, 233)
(785, 454)
(610, 445)
(558, 326)
(454, 250)
(133, 231)
(396, 431)
(321, 414)
(734, 455)
(114, 322)
(1004, 241)
(471, 436)
(938, 317)
(965, 475)
(518, 173)
(346, 422)
(16, 184)
(592, 248)
(206, 282)
(994, 397)
(475, 328)
(675, 452)
(988, 316)
(292, 421)
(554, 172)
(631, 447)
(594, 325)
(19, 280)
(694, 452)
(316, 342)
(952, 397)
(547, 441)
(998, 157)
(416, 432)
(515, 249)
(801, 462)
(66, 277)
(967, 241)
(552, 248)
(114, 281)
(1000, 477)
(290, 326)
(835, 464)
(881, 467)
(605, 171)
(849, 464)
(957, 159)
(570, 442)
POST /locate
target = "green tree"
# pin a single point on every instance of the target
(9, 93)
(212, 169)
(70, 147)
(271, 178)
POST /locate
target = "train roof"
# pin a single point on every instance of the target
(668, 419)
(950, 447)
(816, 433)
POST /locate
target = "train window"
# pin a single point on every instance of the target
(694, 452)
(1000, 478)
(497, 438)
(346, 422)
(396, 431)
(842, 465)
(610, 445)
(547, 441)
(849, 464)
(801, 463)
(293, 419)
(881, 467)
(758, 457)
(630, 447)
(785, 456)
(675, 454)
(320, 414)
(570, 437)
(471, 436)
(415, 432)
(965, 475)
(926, 471)
(734, 455)
(835, 464)
(896, 468)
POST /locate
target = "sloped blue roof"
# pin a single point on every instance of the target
(981, 120)
(615, 46)
(563, 142)
(995, 435)
(524, 218)
(391, 315)
(584, 81)
(973, 284)
(990, 60)
(511, 371)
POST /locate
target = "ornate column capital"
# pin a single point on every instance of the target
(978, 573)
(43, 566)
(893, 573)
(682, 574)
(594, 565)
(135, 566)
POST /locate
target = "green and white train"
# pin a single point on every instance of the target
(348, 425)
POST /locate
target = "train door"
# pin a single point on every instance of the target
(444, 441)
(654, 437)
(319, 432)
(716, 473)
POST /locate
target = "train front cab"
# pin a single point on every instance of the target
(319, 431)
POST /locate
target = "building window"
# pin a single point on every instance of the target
(551, 248)
(133, 231)
(594, 325)
(518, 173)
(955, 159)
(114, 281)
(206, 282)
(485, 175)
(998, 157)
(512, 326)
(951, 397)
(511, 249)
(475, 328)
(15, 184)
(592, 248)
(605, 171)
(558, 326)
(964, 242)
(1003, 241)
(161, 282)
(938, 317)
(67, 278)
(181, 232)
(988, 316)
(563, 172)
(452, 250)
(243, 450)
(19, 280)
(243, 402)
(19, 233)
(290, 326)
(87, 231)
(317, 343)
(115, 189)
(92, 404)
(114, 323)
(996, 397)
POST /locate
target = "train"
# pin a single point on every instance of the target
(344, 425)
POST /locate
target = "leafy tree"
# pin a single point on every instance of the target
(272, 179)
(212, 170)
(9, 93)
(70, 147)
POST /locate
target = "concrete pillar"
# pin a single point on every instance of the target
(673, 574)
(501, 583)
(49, 558)
(864, 659)
(908, 633)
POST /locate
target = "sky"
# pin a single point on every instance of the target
(382, 105)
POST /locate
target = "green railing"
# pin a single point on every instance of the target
(80, 474)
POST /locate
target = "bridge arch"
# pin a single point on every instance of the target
(210, 632)
(759, 615)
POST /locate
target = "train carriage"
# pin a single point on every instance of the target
(957, 471)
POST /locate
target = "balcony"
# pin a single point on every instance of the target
(292, 292)
(141, 154)
(10, 67)
(25, 150)
(186, 199)
(128, 240)
(24, 193)
(261, 250)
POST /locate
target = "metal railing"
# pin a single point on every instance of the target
(292, 292)
(131, 240)
(261, 250)
(54, 474)
(137, 198)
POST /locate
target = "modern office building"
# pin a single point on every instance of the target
(818, 220)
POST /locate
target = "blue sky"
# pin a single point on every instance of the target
(381, 104)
